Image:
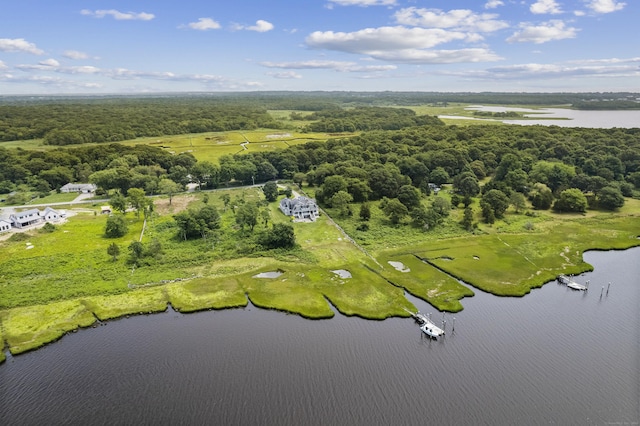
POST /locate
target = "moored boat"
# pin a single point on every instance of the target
(431, 330)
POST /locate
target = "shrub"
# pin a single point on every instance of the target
(116, 227)
(48, 228)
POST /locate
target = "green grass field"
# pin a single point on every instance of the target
(212, 146)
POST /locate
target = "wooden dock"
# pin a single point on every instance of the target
(564, 279)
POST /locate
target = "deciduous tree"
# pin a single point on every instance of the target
(116, 226)
(270, 190)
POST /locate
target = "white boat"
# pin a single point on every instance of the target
(431, 330)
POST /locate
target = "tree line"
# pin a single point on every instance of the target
(79, 121)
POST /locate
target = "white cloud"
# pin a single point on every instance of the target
(635, 60)
(89, 77)
(313, 64)
(204, 24)
(261, 26)
(50, 63)
(74, 54)
(85, 69)
(545, 7)
(3, 65)
(382, 39)
(342, 66)
(575, 69)
(549, 31)
(120, 16)
(459, 19)
(492, 4)
(401, 44)
(418, 56)
(285, 75)
(605, 6)
(18, 45)
(364, 3)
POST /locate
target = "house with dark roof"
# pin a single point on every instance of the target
(300, 208)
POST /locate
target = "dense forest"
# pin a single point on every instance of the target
(76, 120)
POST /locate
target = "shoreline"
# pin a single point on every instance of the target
(68, 316)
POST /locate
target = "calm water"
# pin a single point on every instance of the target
(556, 356)
(572, 118)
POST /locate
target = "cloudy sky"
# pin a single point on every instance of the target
(146, 46)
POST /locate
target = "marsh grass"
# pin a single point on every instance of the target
(30, 327)
(426, 282)
(140, 301)
(207, 293)
(212, 146)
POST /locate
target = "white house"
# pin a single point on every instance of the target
(300, 208)
(50, 215)
(84, 188)
(5, 226)
(25, 218)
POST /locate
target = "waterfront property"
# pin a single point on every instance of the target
(83, 188)
(300, 208)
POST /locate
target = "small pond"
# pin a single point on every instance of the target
(269, 274)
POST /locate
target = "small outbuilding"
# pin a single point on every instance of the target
(105, 210)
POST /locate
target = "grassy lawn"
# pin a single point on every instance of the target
(64, 264)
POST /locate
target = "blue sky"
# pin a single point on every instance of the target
(97, 47)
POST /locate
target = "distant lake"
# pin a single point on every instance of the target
(564, 117)
(556, 356)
